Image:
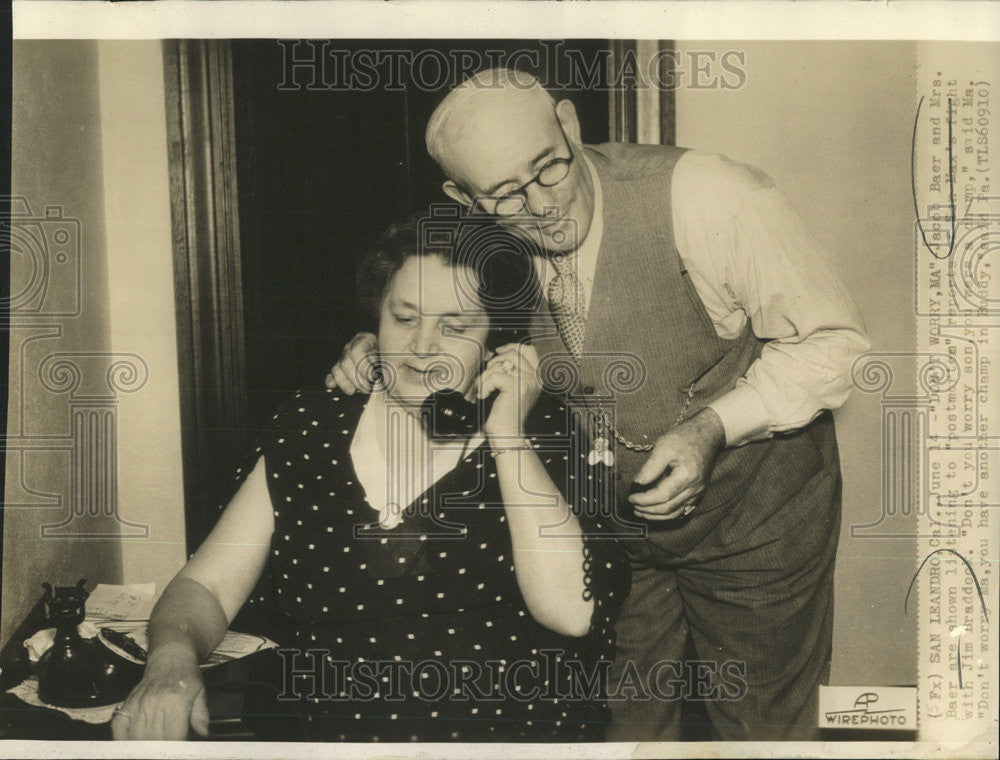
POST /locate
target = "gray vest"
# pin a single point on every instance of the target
(651, 353)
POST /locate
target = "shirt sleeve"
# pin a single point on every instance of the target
(750, 257)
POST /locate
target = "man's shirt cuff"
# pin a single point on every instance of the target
(743, 413)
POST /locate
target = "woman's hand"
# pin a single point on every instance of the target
(513, 371)
(169, 698)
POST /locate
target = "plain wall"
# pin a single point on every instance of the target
(141, 303)
(89, 137)
(831, 123)
(56, 161)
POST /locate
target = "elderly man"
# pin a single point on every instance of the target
(695, 266)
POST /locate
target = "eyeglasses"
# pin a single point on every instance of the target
(515, 202)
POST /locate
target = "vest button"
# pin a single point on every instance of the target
(588, 389)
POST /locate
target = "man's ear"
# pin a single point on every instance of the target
(456, 193)
(566, 113)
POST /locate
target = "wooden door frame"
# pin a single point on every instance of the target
(208, 283)
(626, 110)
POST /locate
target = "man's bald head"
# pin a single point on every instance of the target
(495, 135)
(493, 95)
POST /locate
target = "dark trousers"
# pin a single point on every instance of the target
(752, 601)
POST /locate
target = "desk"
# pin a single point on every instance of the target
(241, 703)
(19, 720)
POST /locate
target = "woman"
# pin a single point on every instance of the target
(446, 587)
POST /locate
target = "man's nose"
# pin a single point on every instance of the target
(540, 201)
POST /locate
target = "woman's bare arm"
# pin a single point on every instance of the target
(545, 535)
(547, 543)
(192, 616)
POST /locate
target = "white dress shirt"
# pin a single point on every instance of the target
(749, 256)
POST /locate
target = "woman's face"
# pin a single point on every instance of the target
(432, 330)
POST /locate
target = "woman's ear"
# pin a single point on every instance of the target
(566, 113)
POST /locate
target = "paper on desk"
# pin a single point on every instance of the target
(233, 646)
(236, 645)
(127, 609)
(111, 602)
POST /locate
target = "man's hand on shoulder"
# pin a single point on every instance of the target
(356, 369)
(679, 467)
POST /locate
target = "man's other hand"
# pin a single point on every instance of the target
(679, 467)
(356, 369)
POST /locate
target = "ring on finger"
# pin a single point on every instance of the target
(688, 509)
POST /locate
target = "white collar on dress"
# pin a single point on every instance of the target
(417, 463)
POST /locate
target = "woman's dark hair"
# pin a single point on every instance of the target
(500, 262)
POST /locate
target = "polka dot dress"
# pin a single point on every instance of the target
(420, 631)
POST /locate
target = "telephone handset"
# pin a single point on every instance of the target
(447, 414)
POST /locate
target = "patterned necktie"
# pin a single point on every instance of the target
(566, 302)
